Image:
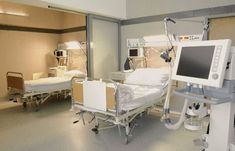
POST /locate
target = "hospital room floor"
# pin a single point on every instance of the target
(52, 129)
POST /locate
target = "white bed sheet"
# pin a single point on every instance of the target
(48, 84)
(140, 95)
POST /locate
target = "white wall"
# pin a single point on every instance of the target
(140, 8)
(110, 8)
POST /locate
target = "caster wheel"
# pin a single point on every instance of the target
(126, 139)
(36, 110)
(95, 130)
(24, 105)
(38, 105)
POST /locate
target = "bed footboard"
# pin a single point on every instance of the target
(78, 94)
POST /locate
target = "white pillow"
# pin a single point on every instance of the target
(73, 73)
(148, 76)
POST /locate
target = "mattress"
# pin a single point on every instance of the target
(134, 96)
(47, 84)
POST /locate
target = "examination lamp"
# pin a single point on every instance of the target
(166, 54)
(73, 45)
(167, 19)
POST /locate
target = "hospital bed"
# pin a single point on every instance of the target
(119, 104)
(38, 90)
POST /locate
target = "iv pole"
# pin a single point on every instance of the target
(166, 56)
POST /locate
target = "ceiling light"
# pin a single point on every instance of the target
(13, 13)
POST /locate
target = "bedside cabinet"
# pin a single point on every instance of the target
(119, 76)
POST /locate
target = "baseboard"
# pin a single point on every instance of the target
(4, 98)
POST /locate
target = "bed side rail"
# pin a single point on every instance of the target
(15, 82)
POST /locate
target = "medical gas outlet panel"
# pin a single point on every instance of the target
(135, 43)
(183, 38)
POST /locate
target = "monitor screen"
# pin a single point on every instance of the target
(202, 62)
(133, 52)
(59, 53)
(195, 61)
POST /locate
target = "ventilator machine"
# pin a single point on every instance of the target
(208, 70)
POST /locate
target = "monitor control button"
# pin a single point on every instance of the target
(215, 76)
(214, 69)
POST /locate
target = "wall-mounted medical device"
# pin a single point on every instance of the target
(135, 52)
(202, 62)
(135, 47)
(135, 43)
(61, 56)
(60, 53)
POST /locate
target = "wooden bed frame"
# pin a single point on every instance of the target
(15, 83)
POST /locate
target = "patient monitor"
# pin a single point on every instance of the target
(202, 62)
(62, 56)
(135, 52)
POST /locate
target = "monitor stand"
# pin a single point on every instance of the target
(221, 135)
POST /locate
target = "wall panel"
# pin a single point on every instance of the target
(25, 52)
(222, 28)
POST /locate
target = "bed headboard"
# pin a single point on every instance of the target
(15, 81)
